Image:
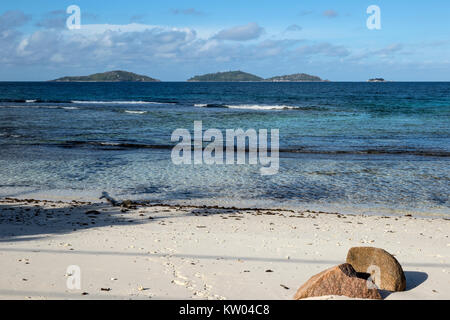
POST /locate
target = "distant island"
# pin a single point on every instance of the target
(111, 76)
(376, 80)
(230, 76)
(296, 77)
(240, 76)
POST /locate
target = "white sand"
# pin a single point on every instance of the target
(193, 253)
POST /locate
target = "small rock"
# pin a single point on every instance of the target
(128, 204)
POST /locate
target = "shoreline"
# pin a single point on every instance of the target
(183, 204)
(193, 252)
(96, 196)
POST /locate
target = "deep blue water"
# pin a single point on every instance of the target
(374, 147)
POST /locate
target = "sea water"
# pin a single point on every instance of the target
(347, 147)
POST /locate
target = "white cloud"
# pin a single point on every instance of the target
(13, 19)
(386, 52)
(92, 29)
(100, 45)
(53, 20)
(142, 47)
(246, 32)
(392, 48)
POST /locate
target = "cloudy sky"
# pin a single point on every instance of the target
(176, 39)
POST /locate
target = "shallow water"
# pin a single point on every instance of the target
(367, 147)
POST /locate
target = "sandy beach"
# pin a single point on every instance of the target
(180, 252)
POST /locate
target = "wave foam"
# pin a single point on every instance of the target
(135, 111)
(119, 102)
(260, 107)
(246, 106)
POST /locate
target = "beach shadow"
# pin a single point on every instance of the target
(27, 220)
(384, 293)
(414, 279)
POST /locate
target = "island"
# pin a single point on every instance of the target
(230, 76)
(111, 76)
(240, 76)
(376, 80)
(296, 77)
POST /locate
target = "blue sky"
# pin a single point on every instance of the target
(174, 40)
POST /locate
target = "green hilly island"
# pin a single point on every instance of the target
(297, 77)
(230, 76)
(240, 76)
(111, 76)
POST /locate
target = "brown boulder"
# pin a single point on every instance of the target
(341, 280)
(374, 260)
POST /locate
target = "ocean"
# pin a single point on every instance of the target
(372, 148)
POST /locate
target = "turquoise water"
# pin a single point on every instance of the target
(366, 147)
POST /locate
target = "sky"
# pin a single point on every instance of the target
(173, 40)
